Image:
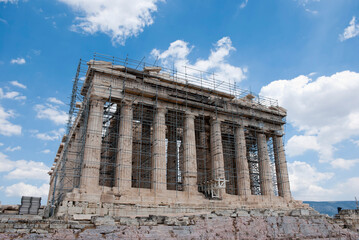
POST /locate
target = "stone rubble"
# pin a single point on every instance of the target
(226, 224)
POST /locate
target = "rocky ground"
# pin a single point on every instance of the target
(236, 224)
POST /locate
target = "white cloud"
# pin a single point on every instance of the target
(50, 136)
(243, 4)
(7, 128)
(23, 189)
(9, 1)
(22, 169)
(179, 50)
(29, 170)
(120, 19)
(297, 145)
(326, 110)
(46, 151)
(351, 31)
(11, 95)
(13, 149)
(6, 165)
(51, 112)
(311, 11)
(356, 142)
(55, 101)
(305, 2)
(17, 84)
(18, 61)
(1, 144)
(306, 181)
(344, 163)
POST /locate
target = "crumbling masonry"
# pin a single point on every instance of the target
(146, 140)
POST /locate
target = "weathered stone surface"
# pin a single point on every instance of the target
(188, 227)
(103, 221)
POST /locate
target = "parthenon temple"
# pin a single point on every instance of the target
(142, 139)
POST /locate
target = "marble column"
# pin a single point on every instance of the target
(243, 181)
(79, 138)
(123, 172)
(69, 168)
(217, 152)
(281, 168)
(189, 155)
(158, 178)
(92, 154)
(51, 189)
(264, 165)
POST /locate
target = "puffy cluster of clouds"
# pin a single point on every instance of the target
(11, 95)
(17, 84)
(30, 177)
(55, 101)
(325, 110)
(23, 169)
(307, 183)
(22, 189)
(119, 19)
(51, 112)
(19, 61)
(351, 31)
(49, 136)
(177, 55)
(6, 127)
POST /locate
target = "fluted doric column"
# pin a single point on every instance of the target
(123, 171)
(281, 168)
(189, 154)
(243, 181)
(264, 166)
(70, 164)
(217, 152)
(92, 153)
(159, 181)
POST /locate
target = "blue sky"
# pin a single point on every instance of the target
(302, 52)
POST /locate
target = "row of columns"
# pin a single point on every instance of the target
(92, 154)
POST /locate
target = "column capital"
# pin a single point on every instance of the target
(161, 109)
(189, 114)
(279, 133)
(214, 119)
(126, 102)
(94, 98)
(241, 127)
(239, 122)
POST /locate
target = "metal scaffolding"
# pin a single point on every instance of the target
(68, 172)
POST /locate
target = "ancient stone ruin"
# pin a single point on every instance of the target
(147, 140)
(152, 153)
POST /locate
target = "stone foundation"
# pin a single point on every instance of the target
(77, 205)
(225, 224)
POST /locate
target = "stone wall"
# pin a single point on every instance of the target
(234, 224)
(348, 218)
